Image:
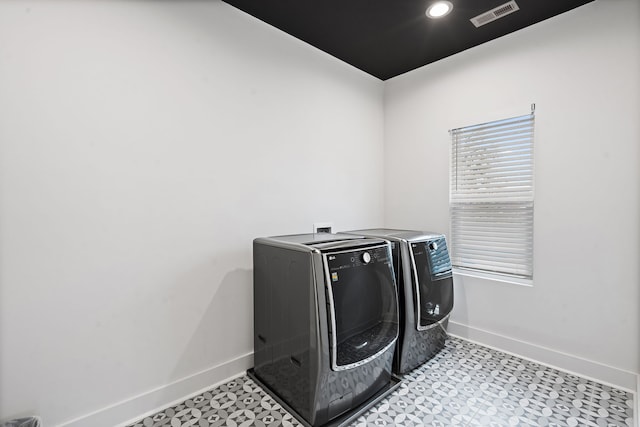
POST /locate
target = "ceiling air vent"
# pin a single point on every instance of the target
(495, 13)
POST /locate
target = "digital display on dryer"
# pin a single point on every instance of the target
(437, 256)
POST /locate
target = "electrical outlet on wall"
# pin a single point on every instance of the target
(322, 227)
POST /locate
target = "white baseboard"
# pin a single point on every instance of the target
(152, 401)
(566, 362)
(637, 401)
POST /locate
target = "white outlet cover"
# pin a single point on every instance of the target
(317, 225)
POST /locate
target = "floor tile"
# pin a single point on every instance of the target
(466, 384)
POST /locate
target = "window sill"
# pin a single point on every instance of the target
(493, 277)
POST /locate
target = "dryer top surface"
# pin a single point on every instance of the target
(398, 235)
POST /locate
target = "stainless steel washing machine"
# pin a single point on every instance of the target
(425, 285)
(325, 323)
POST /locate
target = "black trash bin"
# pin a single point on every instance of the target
(23, 422)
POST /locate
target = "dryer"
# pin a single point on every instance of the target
(325, 323)
(425, 286)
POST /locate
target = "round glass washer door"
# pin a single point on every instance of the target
(363, 307)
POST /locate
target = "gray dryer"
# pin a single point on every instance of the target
(425, 287)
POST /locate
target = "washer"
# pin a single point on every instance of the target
(325, 323)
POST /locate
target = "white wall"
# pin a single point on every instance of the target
(581, 69)
(143, 145)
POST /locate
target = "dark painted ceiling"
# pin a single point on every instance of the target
(386, 38)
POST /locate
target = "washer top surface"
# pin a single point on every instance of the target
(314, 238)
(321, 241)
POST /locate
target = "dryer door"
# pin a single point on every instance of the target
(363, 304)
(432, 274)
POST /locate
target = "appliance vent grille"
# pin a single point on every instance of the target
(495, 13)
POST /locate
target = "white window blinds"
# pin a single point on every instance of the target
(491, 202)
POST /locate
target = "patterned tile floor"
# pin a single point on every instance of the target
(466, 384)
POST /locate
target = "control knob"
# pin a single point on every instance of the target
(366, 257)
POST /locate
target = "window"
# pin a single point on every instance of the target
(491, 199)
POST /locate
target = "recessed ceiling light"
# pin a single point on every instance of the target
(439, 9)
